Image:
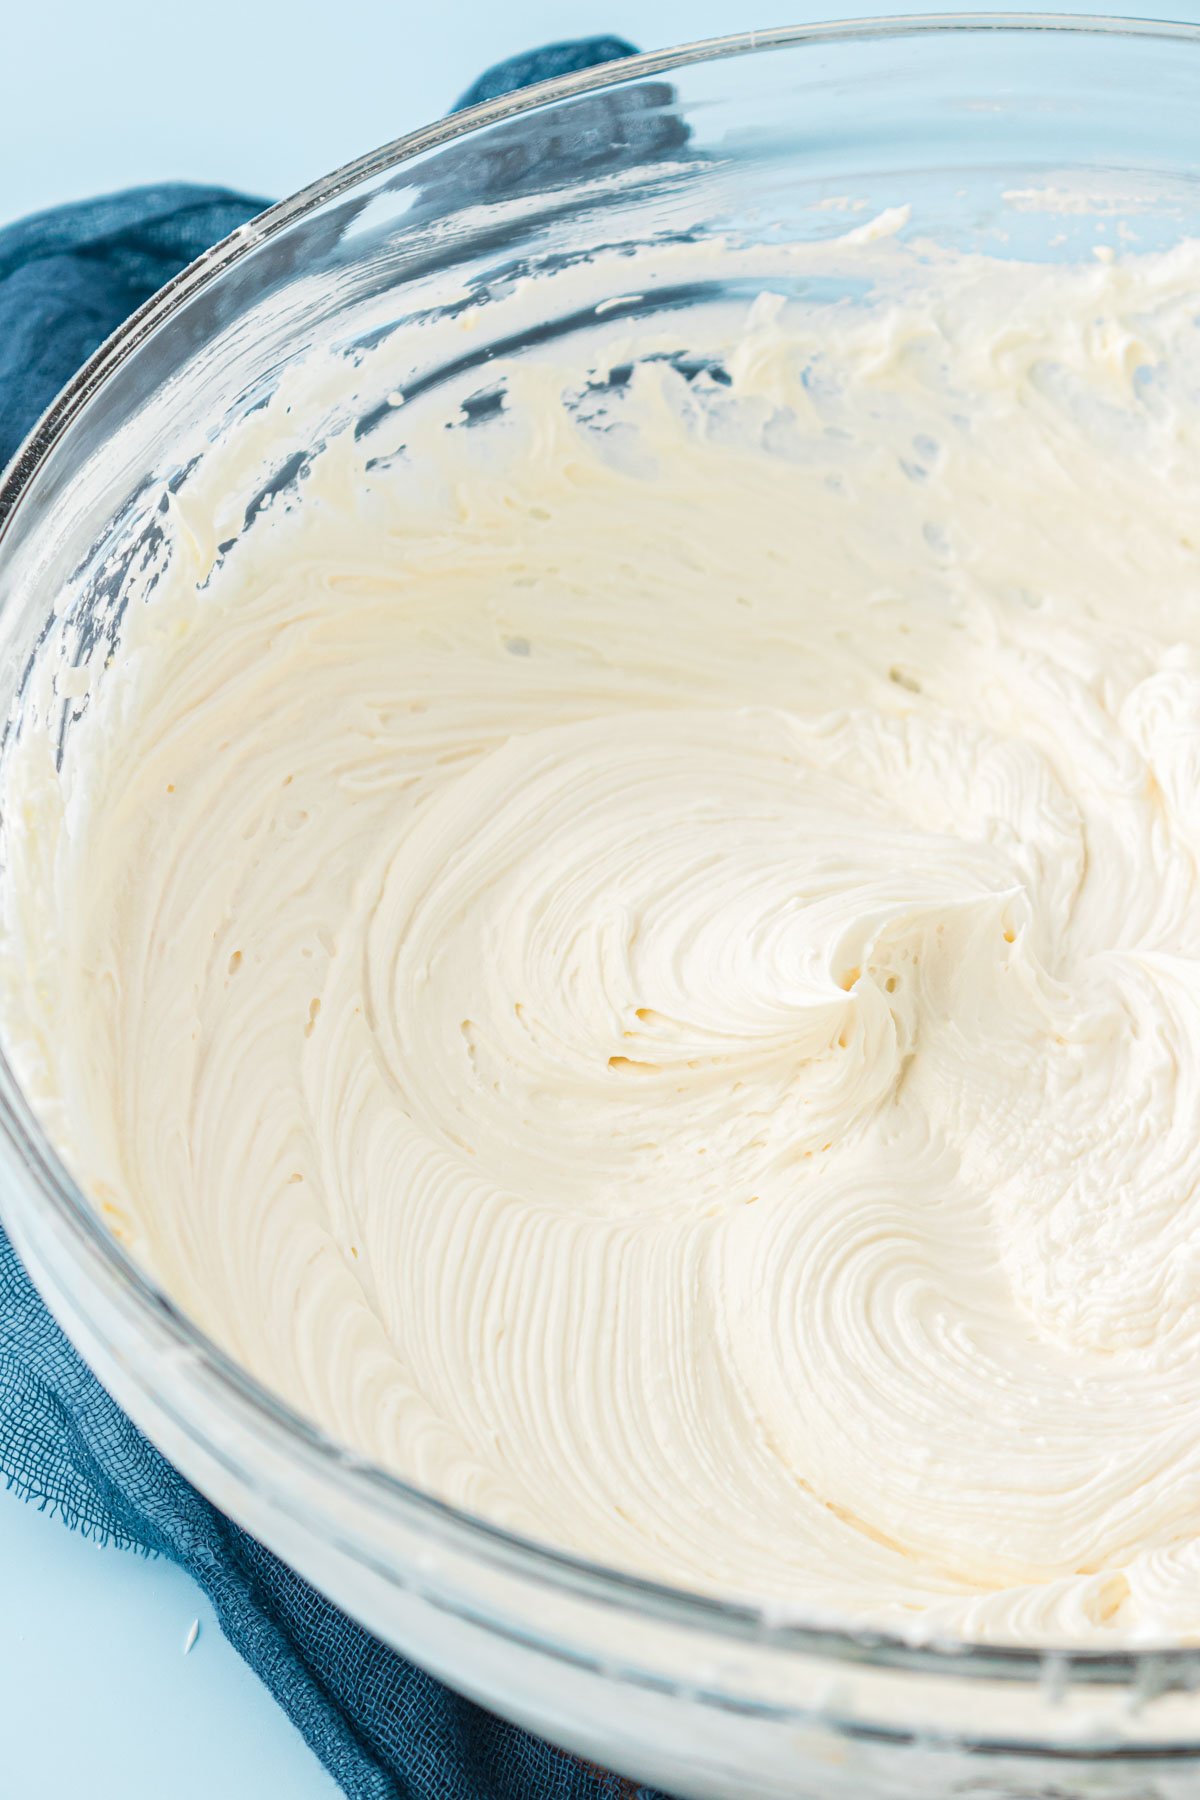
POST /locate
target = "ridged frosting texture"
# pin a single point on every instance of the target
(640, 962)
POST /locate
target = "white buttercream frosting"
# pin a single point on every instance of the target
(640, 962)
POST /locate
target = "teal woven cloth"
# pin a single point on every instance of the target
(384, 1729)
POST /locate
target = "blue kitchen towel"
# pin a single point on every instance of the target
(384, 1729)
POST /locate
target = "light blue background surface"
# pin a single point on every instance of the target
(264, 96)
(98, 1700)
(96, 1696)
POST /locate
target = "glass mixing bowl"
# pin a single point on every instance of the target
(1016, 135)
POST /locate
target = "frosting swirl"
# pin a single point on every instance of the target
(649, 977)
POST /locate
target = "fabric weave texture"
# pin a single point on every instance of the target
(383, 1728)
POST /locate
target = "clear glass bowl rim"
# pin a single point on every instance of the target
(856, 1642)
